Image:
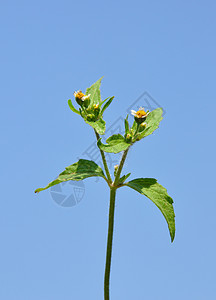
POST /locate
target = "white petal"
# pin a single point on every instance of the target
(133, 112)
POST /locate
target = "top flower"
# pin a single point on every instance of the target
(81, 98)
(140, 114)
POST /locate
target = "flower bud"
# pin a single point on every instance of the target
(90, 117)
(96, 110)
(128, 138)
(115, 169)
(86, 101)
(143, 126)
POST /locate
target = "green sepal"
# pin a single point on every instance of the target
(152, 121)
(80, 170)
(94, 90)
(158, 195)
(107, 104)
(72, 107)
(99, 125)
(115, 144)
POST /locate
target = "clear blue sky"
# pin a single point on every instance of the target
(48, 50)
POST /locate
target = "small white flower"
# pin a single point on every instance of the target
(140, 114)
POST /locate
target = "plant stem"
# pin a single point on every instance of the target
(104, 160)
(118, 174)
(111, 216)
(109, 243)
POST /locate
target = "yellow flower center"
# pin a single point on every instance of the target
(140, 114)
(79, 95)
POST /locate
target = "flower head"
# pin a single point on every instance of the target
(139, 115)
(82, 98)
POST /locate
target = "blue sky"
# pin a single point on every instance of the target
(48, 50)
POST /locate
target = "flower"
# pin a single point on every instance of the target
(81, 98)
(140, 114)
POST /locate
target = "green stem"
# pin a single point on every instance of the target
(109, 243)
(104, 160)
(118, 174)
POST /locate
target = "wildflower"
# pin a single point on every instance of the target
(82, 98)
(139, 115)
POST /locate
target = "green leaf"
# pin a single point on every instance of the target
(72, 107)
(126, 125)
(104, 101)
(80, 170)
(123, 178)
(158, 195)
(94, 90)
(115, 144)
(134, 127)
(107, 104)
(99, 125)
(152, 121)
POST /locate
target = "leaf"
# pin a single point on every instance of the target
(134, 127)
(152, 121)
(104, 101)
(99, 125)
(158, 194)
(94, 90)
(126, 125)
(123, 178)
(115, 144)
(72, 107)
(80, 170)
(107, 104)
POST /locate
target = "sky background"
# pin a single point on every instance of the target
(48, 50)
